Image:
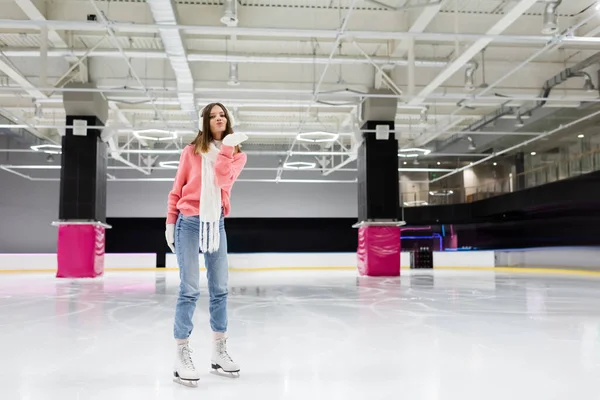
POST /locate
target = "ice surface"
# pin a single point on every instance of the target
(456, 335)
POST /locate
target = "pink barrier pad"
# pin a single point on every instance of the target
(378, 252)
(80, 251)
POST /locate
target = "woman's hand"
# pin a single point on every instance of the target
(234, 139)
(170, 236)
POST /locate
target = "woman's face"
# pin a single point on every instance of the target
(218, 122)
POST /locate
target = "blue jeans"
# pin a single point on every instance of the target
(187, 249)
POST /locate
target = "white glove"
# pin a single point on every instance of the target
(234, 139)
(170, 236)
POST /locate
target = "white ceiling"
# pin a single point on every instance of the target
(292, 56)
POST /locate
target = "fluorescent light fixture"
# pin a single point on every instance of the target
(533, 153)
(580, 136)
(291, 153)
(13, 126)
(415, 203)
(317, 137)
(441, 192)
(168, 135)
(169, 164)
(404, 153)
(299, 165)
(424, 169)
(150, 151)
(48, 148)
(43, 166)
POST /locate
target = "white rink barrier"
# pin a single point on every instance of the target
(266, 261)
(276, 261)
(48, 262)
(581, 258)
(463, 259)
(248, 261)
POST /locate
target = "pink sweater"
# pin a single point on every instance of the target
(185, 195)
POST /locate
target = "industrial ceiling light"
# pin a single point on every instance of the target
(233, 75)
(163, 134)
(471, 143)
(519, 123)
(229, 17)
(424, 114)
(550, 26)
(47, 148)
(469, 79)
(580, 136)
(169, 164)
(299, 165)
(588, 86)
(317, 137)
(406, 153)
(38, 111)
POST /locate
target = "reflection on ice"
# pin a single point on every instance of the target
(298, 334)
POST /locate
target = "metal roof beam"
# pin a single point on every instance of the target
(509, 18)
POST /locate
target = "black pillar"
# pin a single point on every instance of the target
(84, 158)
(377, 162)
(519, 171)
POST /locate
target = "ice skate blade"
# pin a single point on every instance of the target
(217, 370)
(187, 383)
(193, 383)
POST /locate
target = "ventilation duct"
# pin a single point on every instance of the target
(550, 26)
(230, 17)
(563, 76)
(164, 13)
(19, 134)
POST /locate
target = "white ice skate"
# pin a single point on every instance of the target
(221, 363)
(184, 371)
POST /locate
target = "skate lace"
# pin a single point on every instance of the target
(186, 357)
(223, 350)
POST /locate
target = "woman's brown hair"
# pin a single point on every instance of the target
(202, 141)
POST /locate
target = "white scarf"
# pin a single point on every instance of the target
(210, 203)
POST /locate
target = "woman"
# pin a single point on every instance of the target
(197, 204)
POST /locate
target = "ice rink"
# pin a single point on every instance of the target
(307, 334)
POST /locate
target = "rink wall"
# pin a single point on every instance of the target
(48, 262)
(563, 258)
(567, 258)
(248, 261)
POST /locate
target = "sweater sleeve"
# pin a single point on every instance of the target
(229, 166)
(181, 178)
